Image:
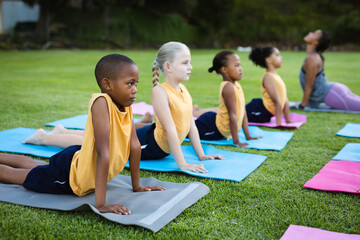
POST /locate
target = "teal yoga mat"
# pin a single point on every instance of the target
(350, 152)
(235, 168)
(350, 130)
(271, 140)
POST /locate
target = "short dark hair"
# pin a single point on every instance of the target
(110, 66)
(324, 42)
(219, 61)
(259, 54)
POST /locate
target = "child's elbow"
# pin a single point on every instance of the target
(135, 146)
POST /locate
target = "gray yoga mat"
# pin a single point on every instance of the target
(151, 210)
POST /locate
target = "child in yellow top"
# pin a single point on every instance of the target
(109, 141)
(227, 120)
(173, 110)
(273, 88)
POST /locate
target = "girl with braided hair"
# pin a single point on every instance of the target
(172, 105)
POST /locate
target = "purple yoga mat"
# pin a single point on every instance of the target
(295, 232)
(341, 176)
(299, 119)
(141, 108)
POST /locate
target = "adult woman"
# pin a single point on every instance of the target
(314, 83)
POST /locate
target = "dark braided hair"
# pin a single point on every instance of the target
(219, 61)
(259, 54)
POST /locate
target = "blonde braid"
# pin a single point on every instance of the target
(156, 73)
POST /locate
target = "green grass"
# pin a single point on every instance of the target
(43, 86)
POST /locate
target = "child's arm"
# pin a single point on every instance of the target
(287, 111)
(195, 142)
(100, 118)
(134, 161)
(160, 103)
(245, 126)
(270, 86)
(228, 94)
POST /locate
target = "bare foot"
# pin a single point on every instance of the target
(58, 129)
(147, 118)
(36, 138)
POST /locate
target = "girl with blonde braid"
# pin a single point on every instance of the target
(172, 110)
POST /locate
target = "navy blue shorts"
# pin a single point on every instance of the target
(54, 177)
(206, 125)
(256, 111)
(149, 148)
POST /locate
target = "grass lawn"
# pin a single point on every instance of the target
(37, 87)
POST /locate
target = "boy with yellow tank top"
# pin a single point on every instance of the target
(273, 88)
(230, 117)
(109, 141)
(173, 110)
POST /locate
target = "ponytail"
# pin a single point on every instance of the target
(219, 61)
(156, 73)
(259, 54)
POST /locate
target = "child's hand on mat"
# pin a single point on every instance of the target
(242, 145)
(114, 208)
(141, 188)
(194, 168)
(211, 156)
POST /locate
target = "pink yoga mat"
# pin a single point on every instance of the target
(295, 232)
(141, 108)
(299, 120)
(341, 176)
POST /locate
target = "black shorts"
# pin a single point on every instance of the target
(149, 148)
(54, 177)
(206, 125)
(256, 111)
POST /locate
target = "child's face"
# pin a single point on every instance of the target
(181, 67)
(233, 67)
(124, 87)
(275, 58)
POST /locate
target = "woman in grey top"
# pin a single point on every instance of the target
(314, 83)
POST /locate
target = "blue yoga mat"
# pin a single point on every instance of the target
(350, 130)
(271, 140)
(76, 122)
(350, 152)
(11, 141)
(235, 168)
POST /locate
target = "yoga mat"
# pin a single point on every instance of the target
(350, 130)
(76, 122)
(322, 108)
(150, 210)
(141, 108)
(235, 168)
(350, 152)
(299, 119)
(11, 141)
(295, 232)
(271, 140)
(340, 176)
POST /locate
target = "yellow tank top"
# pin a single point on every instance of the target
(222, 117)
(83, 165)
(281, 88)
(181, 112)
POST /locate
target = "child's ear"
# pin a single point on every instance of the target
(268, 61)
(106, 84)
(167, 67)
(223, 69)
